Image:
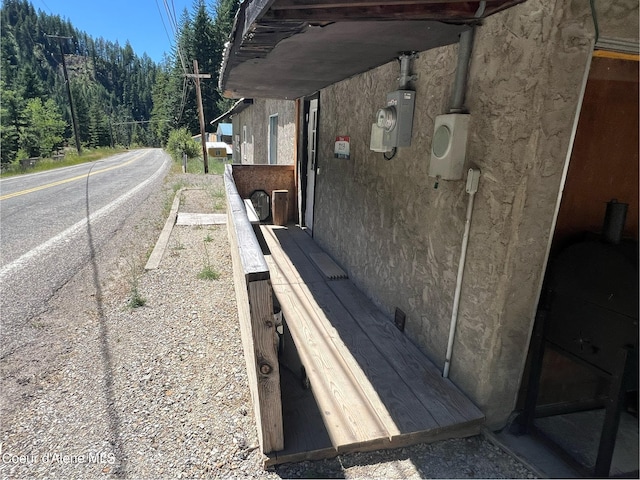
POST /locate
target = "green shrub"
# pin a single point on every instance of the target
(180, 142)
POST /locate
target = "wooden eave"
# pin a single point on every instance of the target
(292, 48)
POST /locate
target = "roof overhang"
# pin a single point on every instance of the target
(239, 106)
(292, 48)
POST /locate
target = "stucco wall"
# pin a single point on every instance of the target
(618, 19)
(399, 237)
(256, 119)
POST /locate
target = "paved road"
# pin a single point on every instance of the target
(52, 223)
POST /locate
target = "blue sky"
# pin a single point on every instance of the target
(138, 21)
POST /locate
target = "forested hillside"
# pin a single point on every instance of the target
(119, 97)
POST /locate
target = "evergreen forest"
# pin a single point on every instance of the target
(118, 97)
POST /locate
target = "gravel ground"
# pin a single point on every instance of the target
(160, 390)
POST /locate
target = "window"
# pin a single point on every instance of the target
(273, 139)
(244, 144)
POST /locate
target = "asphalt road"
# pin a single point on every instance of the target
(52, 223)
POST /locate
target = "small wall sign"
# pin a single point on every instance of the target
(342, 147)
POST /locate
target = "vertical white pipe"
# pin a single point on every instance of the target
(456, 295)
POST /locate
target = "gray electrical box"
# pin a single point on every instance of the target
(396, 119)
(449, 146)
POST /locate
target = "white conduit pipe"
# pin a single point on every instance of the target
(472, 187)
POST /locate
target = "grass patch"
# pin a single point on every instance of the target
(70, 159)
(216, 165)
(219, 200)
(208, 272)
(136, 300)
(196, 165)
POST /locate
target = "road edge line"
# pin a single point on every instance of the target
(77, 227)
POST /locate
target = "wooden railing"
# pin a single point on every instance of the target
(254, 296)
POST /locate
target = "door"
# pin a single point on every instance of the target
(604, 166)
(312, 156)
(273, 139)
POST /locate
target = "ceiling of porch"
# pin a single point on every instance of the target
(292, 48)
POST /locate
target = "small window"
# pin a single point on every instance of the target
(273, 139)
(244, 143)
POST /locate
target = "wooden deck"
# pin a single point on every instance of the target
(372, 387)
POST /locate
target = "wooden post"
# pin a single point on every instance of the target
(197, 75)
(280, 206)
(74, 123)
(254, 295)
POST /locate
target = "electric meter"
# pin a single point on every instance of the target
(387, 118)
(394, 122)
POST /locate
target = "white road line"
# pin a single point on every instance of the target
(78, 227)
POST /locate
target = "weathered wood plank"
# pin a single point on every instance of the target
(250, 253)
(347, 412)
(161, 245)
(265, 348)
(327, 266)
(244, 318)
(280, 207)
(444, 400)
(292, 261)
(277, 271)
(367, 377)
(306, 243)
(447, 403)
(255, 313)
(390, 395)
(200, 219)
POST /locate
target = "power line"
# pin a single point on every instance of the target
(183, 104)
(46, 6)
(173, 24)
(163, 24)
(140, 121)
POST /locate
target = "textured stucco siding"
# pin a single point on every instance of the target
(536, 83)
(256, 119)
(618, 19)
(399, 237)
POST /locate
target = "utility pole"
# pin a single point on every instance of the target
(68, 85)
(197, 75)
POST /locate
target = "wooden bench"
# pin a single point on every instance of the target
(257, 326)
(373, 387)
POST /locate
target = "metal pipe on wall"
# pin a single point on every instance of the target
(465, 47)
(460, 85)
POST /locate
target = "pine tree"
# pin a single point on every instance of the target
(43, 129)
(110, 83)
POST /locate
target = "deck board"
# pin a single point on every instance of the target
(327, 266)
(398, 407)
(373, 386)
(439, 395)
(294, 267)
(348, 415)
